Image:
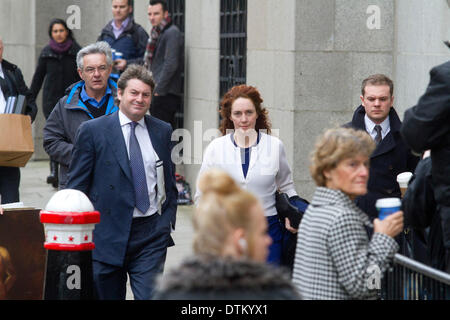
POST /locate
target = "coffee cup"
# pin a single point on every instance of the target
(387, 206)
(403, 179)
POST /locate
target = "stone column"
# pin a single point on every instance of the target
(202, 49)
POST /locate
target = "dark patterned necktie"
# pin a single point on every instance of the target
(378, 136)
(138, 172)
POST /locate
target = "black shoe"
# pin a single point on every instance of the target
(53, 177)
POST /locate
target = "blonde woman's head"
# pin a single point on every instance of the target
(228, 220)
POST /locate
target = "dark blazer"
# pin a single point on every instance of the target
(100, 168)
(419, 207)
(390, 158)
(13, 85)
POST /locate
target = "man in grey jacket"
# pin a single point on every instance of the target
(164, 57)
(87, 99)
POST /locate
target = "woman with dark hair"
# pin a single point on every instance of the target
(256, 160)
(57, 65)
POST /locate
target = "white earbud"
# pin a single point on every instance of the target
(243, 244)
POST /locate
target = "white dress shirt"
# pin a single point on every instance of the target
(2, 97)
(148, 156)
(370, 127)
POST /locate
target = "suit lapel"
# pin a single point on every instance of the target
(155, 137)
(116, 140)
(386, 145)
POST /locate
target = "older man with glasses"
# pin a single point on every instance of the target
(87, 99)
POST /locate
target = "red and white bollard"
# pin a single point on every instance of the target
(69, 220)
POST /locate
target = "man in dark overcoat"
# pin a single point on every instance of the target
(427, 126)
(12, 84)
(377, 116)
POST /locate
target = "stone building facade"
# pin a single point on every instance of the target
(307, 57)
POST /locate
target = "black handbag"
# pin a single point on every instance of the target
(292, 209)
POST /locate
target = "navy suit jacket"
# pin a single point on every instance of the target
(100, 168)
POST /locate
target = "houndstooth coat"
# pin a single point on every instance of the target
(334, 258)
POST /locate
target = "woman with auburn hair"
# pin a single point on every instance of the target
(230, 249)
(243, 91)
(335, 259)
(254, 159)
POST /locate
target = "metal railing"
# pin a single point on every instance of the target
(408, 279)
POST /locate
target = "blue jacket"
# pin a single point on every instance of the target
(62, 125)
(132, 42)
(100, 168)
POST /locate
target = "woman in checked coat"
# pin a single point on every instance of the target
(335, 259)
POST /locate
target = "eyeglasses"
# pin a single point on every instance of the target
(100, 69)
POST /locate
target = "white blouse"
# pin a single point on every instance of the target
(268, 169)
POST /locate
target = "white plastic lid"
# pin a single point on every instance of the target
(388, 203)
(404, 177)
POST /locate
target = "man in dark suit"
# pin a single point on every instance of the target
(122, 162)
(377, 116)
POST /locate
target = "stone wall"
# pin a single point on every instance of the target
(307, 57)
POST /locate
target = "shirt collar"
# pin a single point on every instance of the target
(370, 125)
(124, 120)
(122, 26)
(85, 97)
(1, 72)
(324, 196)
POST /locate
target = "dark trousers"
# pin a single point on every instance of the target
(275, 231)
(144, 261)
(165, 107)
(9, 184)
